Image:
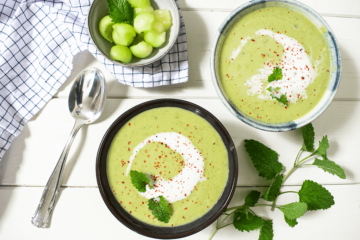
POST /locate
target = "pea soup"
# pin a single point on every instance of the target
(183, 155)
(274, 65)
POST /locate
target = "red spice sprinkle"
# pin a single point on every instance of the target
(185, 208)
(253, 40)
(128, 149)
(129, 124)
(129, 143)
(122, 182)
(130, 212)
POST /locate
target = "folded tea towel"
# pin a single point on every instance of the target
(38, 39)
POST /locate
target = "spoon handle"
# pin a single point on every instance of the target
(51, 191)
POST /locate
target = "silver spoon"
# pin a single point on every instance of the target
(86, 103)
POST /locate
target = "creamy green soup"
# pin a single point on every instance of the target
(269, 38)
(159, 160)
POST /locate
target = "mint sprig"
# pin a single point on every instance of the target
(265, 160)
(121, 11)
(160, 209)
(275, 75)
(139, 180)
(312, 196)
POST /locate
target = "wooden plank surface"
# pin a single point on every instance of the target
(200, 37)
(81, 214)
(349, 8)
(32, 156)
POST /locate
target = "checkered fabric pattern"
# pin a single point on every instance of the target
(38, 40)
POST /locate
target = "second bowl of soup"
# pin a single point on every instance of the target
(275, 64)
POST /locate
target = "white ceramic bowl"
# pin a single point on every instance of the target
(329, 36)
(99, 9)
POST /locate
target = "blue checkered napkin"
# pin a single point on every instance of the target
(38, 40)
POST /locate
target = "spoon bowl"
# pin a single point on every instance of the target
(86, 103)
(85, 99)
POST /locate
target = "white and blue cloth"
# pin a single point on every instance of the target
(38, 40)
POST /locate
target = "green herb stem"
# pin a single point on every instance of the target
(305, 159)
(297, 157)
(234, 208)
(287, 192)
(212, 235)
(262, 205)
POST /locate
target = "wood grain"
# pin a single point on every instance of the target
(32, 156)
(81, 214)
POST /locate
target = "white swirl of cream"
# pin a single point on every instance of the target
(182, 184)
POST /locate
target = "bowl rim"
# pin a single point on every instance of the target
(170, 45)
(274, 127)
(156, 231)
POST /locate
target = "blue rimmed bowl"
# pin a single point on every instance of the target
(335, 57)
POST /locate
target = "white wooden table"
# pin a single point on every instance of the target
(81, 212)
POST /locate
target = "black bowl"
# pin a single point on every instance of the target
(150, 230)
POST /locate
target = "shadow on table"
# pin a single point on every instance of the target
(7, 181)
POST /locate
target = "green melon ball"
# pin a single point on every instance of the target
(163, 20)
(154, 38)
(105, 28)
(123, 34)
(141, 50)
(121, 53)
(139, 3)
(148, 9)
(143, 22)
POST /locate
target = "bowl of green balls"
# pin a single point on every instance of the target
(133, 33)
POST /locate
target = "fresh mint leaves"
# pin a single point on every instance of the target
(160, 209)
(121, 11)
(251, 199)
(266, 231)
(273, 190)
(247, 222)
(330, 167)
(276, 75)
(323, 146)
(293, 210)
(316, 196)
(139, 180)
(291, 222)
(264, 159)
(312, 195)
(283, 99)
(308, 134)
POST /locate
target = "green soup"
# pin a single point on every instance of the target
(247, 51)
(159, 160)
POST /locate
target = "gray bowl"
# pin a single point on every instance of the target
(335, 63)
(99, 9)
(150, 230)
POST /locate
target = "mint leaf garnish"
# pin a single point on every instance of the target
(291, 222)
(264, 159)
(160, 209)
(323, 146)
(266, 231)
(139, 180)
(293, 210)
(330, 167)
(251, 199)
(276, 75)
(283, 99)
(273, 190)
(247, 223)
(308, 134)
(315, 196)
(121, 11)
